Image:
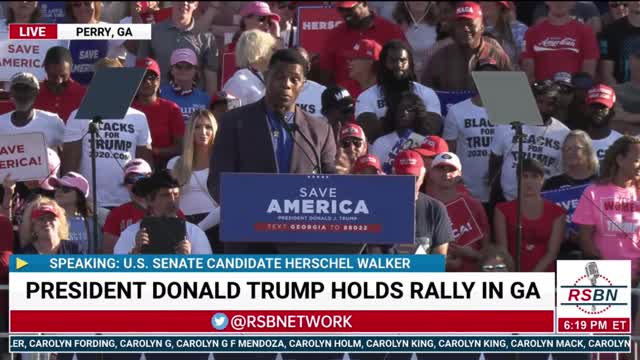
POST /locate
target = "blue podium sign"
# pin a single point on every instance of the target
(293, 208)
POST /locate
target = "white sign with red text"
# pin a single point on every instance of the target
(24, 156)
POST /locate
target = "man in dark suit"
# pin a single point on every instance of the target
(273, 136)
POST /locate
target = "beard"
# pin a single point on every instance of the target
(24, 105)
(393, 86)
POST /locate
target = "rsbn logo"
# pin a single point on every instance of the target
(594, 293)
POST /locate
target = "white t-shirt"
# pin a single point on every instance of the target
(246, 86)
(601, 146)
(116, 144)
(199, 242)
(371, 100)
(468, 124)
(117, 48)
(194, 196)
(543, 143)
(310, 98)
(388, 146)
(44, 122)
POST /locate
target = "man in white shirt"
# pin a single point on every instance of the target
(600, 101)
(118, 141)
(162, 196)
(25, 119)
(395, 75)
(541, 142)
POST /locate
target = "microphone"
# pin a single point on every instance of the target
(592, 273)
(291, 129)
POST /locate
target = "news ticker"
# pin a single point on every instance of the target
(300, 294)
(101, 31)
(337, 344)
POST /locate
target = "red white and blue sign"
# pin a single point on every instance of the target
(317, 208)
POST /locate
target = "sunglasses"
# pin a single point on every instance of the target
(131, 180)
(496, 267)
(151, 77)
(259, 18)
(185, 66)
(347, 143)
(614, 5)
(66, 189)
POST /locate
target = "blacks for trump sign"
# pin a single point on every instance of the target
(317, 208)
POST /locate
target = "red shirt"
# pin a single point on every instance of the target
(62, 104)
(535, 233)
(559, 48)
(165, 121)
(343, 38)
(6, 106)
(124, 215)
(6, 234)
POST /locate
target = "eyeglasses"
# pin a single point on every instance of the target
(347, 143)
(496, 267)
(79, 4)
(185, 66)
(66, 189)
(348, 110)
(259, 18)
(131, 180)
(614, 5)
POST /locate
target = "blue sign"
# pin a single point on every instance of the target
(317, 208)
(53, 11)
(448, 98)
(85, 53)
(568, 199)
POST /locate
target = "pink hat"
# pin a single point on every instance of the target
(468, 10)
(186, 55)
(54, 166)
(601, 94)
(408, 162)
(258, 8)
(137, 166)
(149, 64)
(366, 161)
(73, 180)
(447, 158)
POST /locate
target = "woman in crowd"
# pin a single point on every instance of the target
(72, 194)
(129, 213)
(45, 229)
(85, 12)
(543, 223)
(181, 88)
(510, 34)
(607, 212)
(418, 20)
(579, 161)
(21, 12)
(256, 15)
(191, 170)
(405, 127)
(163, 116)
(253, 53)
(352, 144)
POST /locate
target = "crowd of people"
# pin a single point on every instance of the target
(370, 103)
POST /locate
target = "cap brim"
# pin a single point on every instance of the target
(346, 4)
(446, 163)
(470, 17)
(425, 152)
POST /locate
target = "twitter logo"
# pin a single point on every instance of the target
(219, 321)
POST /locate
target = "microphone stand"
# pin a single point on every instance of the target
(94, 126)
(291, 129)
(517, 126)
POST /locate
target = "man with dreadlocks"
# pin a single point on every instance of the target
(395, 75)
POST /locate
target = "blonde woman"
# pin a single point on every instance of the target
(44, 229)
(579, 161)
(253, 53)
(191, 170)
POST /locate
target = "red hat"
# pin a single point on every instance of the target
(432, 146)
(365, 49)
(468, 10)
(351, 130)
(506, 4)
(408, 162)
(366, 161)
(346, 4)
(44, 209)
(602, 94)
(149, 64)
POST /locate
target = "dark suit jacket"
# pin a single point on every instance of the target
(243, 144)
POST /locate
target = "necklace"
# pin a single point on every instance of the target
(413, 19)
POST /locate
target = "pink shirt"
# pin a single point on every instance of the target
(615, 214)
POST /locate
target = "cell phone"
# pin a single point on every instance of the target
(164, 234)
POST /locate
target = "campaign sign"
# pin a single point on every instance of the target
(24, 56)
(85, 53)
(228, 67)
(448, 98)
(317, 208)
(410, 140)
(568, 199)
(24, 156)
(52, 11)
(466, 230)
(314, 26)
